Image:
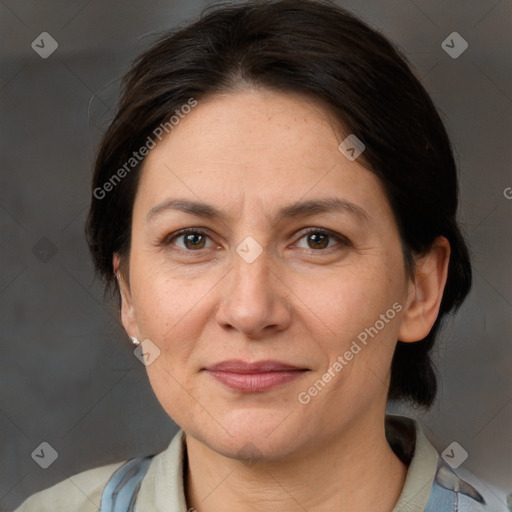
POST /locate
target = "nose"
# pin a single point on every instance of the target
(255, 300)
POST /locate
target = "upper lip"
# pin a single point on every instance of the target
(239, 366)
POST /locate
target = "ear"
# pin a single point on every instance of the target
(127, 310)
(425, 292)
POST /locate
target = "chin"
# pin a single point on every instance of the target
(252, 434)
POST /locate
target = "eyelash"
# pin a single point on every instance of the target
(341, 239)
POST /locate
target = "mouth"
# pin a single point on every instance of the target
(254, 377)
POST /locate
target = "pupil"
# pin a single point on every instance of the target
(194, 240)
(319, 240)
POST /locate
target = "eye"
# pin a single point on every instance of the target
(192, 239)
(317, 239)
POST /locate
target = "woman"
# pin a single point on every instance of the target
(275, 206)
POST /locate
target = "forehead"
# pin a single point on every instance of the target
(253, 123)
(260, 146)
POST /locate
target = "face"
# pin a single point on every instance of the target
(292, 255)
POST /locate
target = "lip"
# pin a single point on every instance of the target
(254, 377)
(239, 366)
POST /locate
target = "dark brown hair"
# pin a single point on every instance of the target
(317, 49)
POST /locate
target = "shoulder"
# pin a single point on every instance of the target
(80, 493)
(115, 486)
(471, 493)
(432, 485)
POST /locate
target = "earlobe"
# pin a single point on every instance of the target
(425, 292)
(127, 309)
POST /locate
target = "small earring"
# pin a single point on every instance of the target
(135, 341)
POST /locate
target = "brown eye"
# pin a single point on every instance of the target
(194, 240)
(190, 240)
(317, 239)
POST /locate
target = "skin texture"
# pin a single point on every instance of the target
(250, 153)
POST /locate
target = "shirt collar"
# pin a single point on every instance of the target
(410, 444)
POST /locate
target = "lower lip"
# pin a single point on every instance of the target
(255, 382)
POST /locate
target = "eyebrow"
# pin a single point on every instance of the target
(294, 210)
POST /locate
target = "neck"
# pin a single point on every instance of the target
(354, 471)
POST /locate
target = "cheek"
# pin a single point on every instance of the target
(170, 312)
(362, 324)
(348, 302)
(168, 301)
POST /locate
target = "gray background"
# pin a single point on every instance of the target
(67, 374)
